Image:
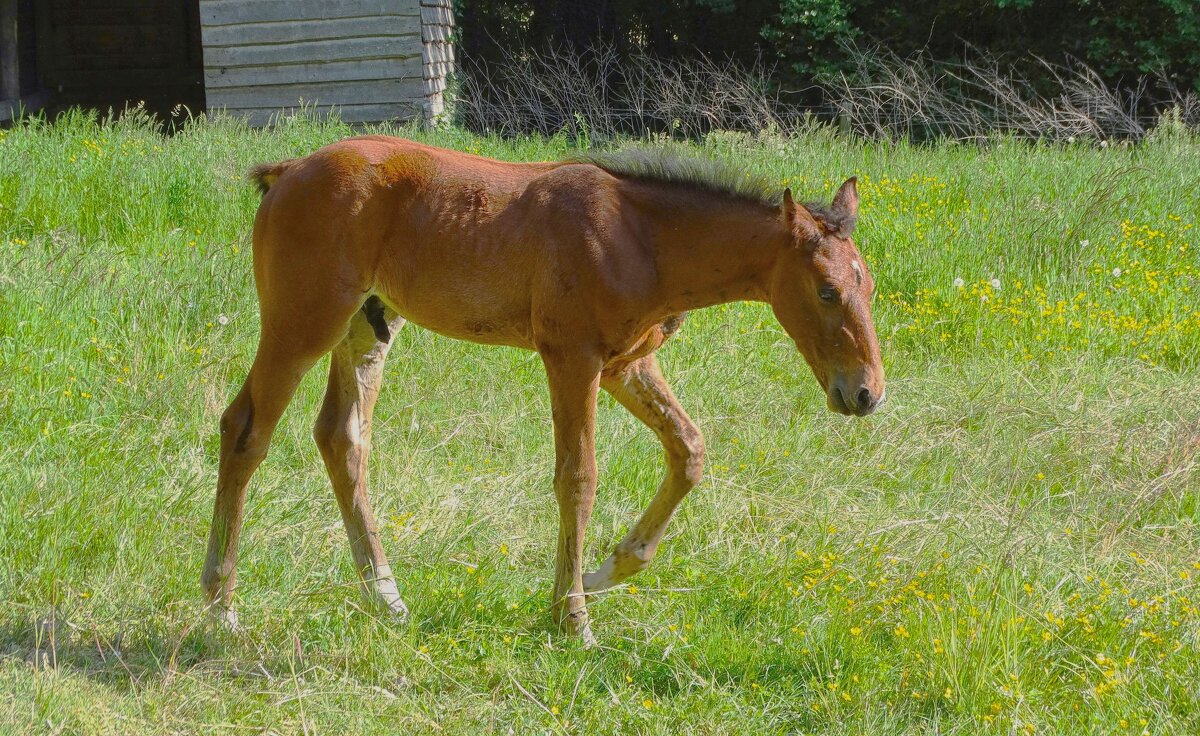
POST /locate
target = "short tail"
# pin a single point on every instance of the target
(264, 176)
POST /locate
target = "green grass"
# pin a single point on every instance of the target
(1010, 546)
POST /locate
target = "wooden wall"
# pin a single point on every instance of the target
(363, 56)
(109, 53)
(437, 29)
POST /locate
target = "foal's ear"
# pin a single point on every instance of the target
(839, 218)
(800, 220)
(845, 202)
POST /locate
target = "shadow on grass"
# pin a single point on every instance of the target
(131, 655)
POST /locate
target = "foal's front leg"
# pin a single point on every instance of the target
(574, 381)
(642, 390)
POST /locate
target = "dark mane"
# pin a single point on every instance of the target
(662, 164)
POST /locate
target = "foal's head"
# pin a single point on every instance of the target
(821, 293)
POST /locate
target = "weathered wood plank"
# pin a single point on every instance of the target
(229, 12)
(249, 34)
(431, 33)
(378, 91)
(385, 47)
(309, 73)
(367, 113)
(434, 53)
(10, 60)
(14, 108)
(438, 16)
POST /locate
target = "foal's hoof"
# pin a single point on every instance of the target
(589, 640)
(396, 609)
(386, 598)
(615, 569)
(577, 624)
(595, 582)
(602, 579)
(225, 618)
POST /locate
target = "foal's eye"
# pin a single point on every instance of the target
(828, 294)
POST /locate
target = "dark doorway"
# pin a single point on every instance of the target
(101, 54)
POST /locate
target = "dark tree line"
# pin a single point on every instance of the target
(801, 40)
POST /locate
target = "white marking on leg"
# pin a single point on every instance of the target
(602, 578)
(224, 617)
(383, 587)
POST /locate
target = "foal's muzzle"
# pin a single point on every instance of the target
(858, 401)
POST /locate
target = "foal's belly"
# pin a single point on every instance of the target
(478, 330)
(458, 311)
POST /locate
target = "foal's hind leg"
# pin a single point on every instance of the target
(343, 432)
(246, 429)
(300, 323)
(642, 390)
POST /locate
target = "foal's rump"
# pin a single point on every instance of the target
(313, 260)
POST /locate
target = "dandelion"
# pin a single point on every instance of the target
(222, 320)
(959, 283)
(995, 284)
(1116, 272)
(647, 703)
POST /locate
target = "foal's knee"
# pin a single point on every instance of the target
(687, 455)
(239, 435)
(334, 439)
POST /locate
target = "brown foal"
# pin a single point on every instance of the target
(592, 263)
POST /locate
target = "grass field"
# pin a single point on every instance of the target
(1011, 546)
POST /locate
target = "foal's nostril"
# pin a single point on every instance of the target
(864, 398)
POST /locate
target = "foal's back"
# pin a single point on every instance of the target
(457, 243)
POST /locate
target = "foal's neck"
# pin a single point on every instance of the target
(711, 250)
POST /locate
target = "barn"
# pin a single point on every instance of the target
(373, 60)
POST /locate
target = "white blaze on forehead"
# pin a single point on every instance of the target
(857, 271)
